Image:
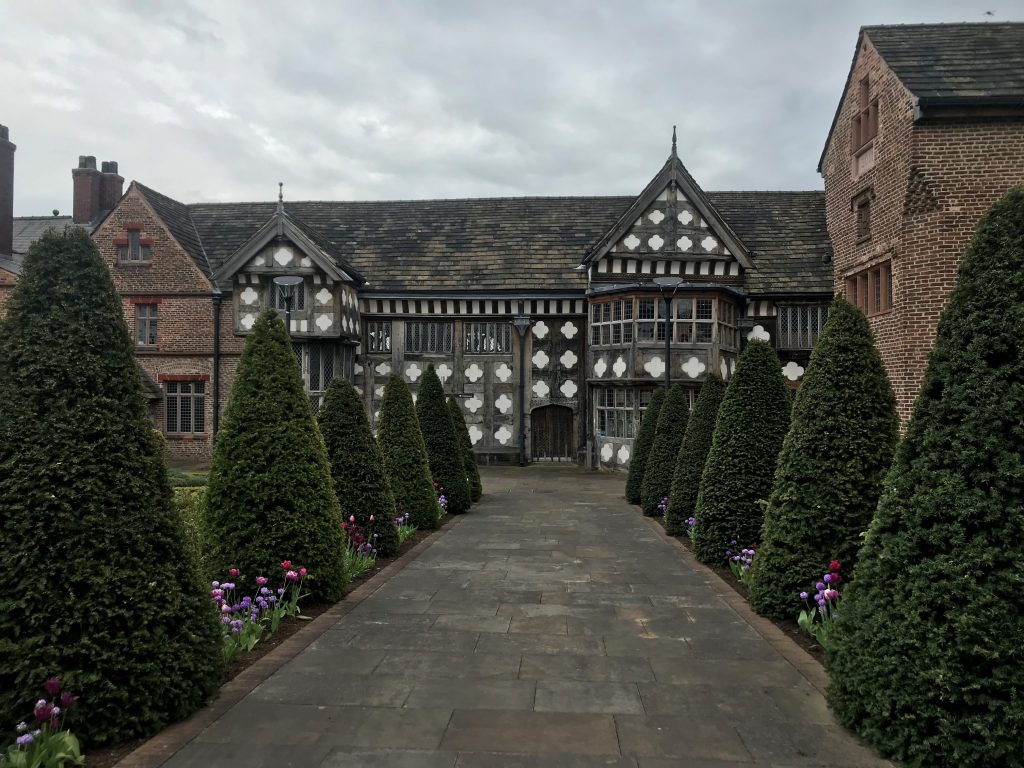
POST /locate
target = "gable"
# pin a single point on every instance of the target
(672, 228)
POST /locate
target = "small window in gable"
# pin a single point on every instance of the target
(134, 248)
(298, 297)
(864, 126)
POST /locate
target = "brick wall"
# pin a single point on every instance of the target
(932, 182)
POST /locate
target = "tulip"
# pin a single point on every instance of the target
(803, 595)
(286, 564)
(233, 572)
(52, 686)
(303, 572)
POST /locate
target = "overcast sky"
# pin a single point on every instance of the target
(440, 98)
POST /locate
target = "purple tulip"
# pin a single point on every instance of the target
(827, 578)
(803, 595)
(819, 586)
(25, 739)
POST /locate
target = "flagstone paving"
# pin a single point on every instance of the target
(550, 628)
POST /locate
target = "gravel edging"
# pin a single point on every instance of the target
(808, 666)
(163, 746)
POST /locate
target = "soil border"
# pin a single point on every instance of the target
(164, 745)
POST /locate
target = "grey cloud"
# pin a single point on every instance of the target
(220, 101)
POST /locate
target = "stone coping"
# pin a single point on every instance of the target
(162, 747)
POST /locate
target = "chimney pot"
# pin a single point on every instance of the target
(109, 166)
(6, 192)
(111, 186)
(87, 161)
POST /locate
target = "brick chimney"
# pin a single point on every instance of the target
(6, 193)
(87, 183)
(111, 186)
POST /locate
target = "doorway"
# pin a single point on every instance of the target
(551, 434)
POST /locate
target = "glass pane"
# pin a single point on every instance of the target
(684, 309)
(646, 309)
(627, 333)
(186, 414)
(684, 333)
(199, 405)
(171, 412)
(703, 309)
(704, 333)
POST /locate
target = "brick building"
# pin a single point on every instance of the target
(928, 134)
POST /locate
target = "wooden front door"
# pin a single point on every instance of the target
(551, 434)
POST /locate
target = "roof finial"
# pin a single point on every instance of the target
(673, 141)
(280, 196)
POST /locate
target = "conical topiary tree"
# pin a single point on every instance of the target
(927, 662)
(357, 466)
(661, 461)
(405, 456)
(642, 448)
(829, 476)
(270, 495)
(476, 489)
(737, 477)
(443, 449)
(693, 452)
(98, 588)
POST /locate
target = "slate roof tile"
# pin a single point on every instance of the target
(955, 61)
(506, 244)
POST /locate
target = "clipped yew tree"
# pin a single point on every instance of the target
(737, 477)
(270, 495)
(661, 461)
(693, 452)
(927, 662)
(642, 447)
(357, 466)
(829, 476)
(98, 586)
(444, 451)
(405, 456)
(476, 488)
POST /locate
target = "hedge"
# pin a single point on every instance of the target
(98, 586)
(442, 442)
(405, 456)
(738, 474)
(927, 664)
(270, 495)
(693, 452)
(357, 467)
(661, 461)
(642, 447)
(476, 489)
(831, 467)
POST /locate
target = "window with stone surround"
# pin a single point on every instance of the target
(871, 289)
(145, 324)
(184, 407)
(862, 215)
(864, 126)
(429, 336)
(487, 338)
(378, 336)
(133, 248)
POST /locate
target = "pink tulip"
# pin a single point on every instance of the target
(232, 572)
(303, 572)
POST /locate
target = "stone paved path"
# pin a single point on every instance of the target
(550, 628)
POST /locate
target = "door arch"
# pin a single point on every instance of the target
(551, 434)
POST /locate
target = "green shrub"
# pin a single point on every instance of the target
(928, 664)
(357, 466)
(830, 471)
(693, 452)
(270, 495)
(405, 456)
(661, 461)
(642, 448)
(737, 477)
(98, 588)
(443, 449)
(190, 504)
(476, 489)
(181, 479)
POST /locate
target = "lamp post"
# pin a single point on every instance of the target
(522, 325)
(287, 284)
(668, 281)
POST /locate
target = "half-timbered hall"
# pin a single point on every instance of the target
(551, 319)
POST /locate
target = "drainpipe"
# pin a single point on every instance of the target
(522, 324)
(216, 363)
